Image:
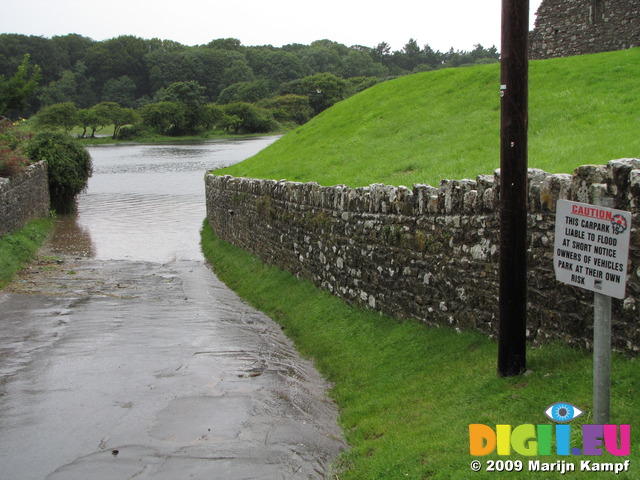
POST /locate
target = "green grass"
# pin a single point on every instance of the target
(18, 248)
(446, 124)
(407, 393)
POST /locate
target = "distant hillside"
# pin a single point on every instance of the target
(446, 124)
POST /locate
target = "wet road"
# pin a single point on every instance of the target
(121, 363)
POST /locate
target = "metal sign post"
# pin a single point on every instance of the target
(602, 348)
(601, 358)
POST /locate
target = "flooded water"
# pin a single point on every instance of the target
(146, 202)
(123, 357)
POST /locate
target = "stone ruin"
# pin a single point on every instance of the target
(575, 27)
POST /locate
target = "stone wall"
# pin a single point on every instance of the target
(24, 198)
(574, 27)
(429, 253)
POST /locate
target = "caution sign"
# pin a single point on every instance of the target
(591, 247)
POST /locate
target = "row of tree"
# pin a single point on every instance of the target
(134, 72)
(183, 109)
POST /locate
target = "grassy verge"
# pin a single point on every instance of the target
(445, 124)
(408, 393)
(18, 248)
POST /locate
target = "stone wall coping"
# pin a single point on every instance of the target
(466, 196)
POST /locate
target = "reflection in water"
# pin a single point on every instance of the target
(70, 238)
(146, 202)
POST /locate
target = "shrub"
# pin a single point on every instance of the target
(166, 118)
(289, 108)
(11, 163)
(13, 160)
(59, 115)
(69, 165)
(248, 118)
(129, 132)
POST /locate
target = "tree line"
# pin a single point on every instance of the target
(178, 89)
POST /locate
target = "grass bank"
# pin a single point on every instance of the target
(445, 124)
(408, 393)
(18, 248)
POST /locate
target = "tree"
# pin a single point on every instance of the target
(225, 44)
(321, 59)
(189, 93)
(123, 55)
(74, 46)
(59, 115)
(280, 67)
(116, 114)
(51, 59)
(190, 96)
(360, 64)
(164, 66)
(432, 58)
(166, 118)
(358, 84)
(341, 49)
(208, 67)
(60, 90)
(69, 166)
(72, 86)
(91, 118)
(15, 91)
(289, 108)
(122, 117)
(322, 89)
(410, 57)
(380, 51)
(479, 54)
(120, 90)
(248, 118)
(239, 71)
(249, 92)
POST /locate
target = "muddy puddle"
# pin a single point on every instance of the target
(122, 355)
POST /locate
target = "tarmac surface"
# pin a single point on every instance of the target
(119, 369)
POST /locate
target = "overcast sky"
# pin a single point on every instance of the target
(441, 24)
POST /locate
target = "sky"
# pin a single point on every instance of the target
(442, 24)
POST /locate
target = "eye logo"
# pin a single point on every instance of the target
(563, 412)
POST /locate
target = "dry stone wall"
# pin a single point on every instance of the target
(24, 197)
(429, 253)
(574, 27)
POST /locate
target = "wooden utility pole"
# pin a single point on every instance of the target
(514, 90)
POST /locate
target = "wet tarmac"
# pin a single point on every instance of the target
(119, 368)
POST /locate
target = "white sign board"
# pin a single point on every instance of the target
(591, 247)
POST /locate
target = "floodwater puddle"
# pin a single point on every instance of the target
(118, 338)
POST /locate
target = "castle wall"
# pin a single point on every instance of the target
(574, 27)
